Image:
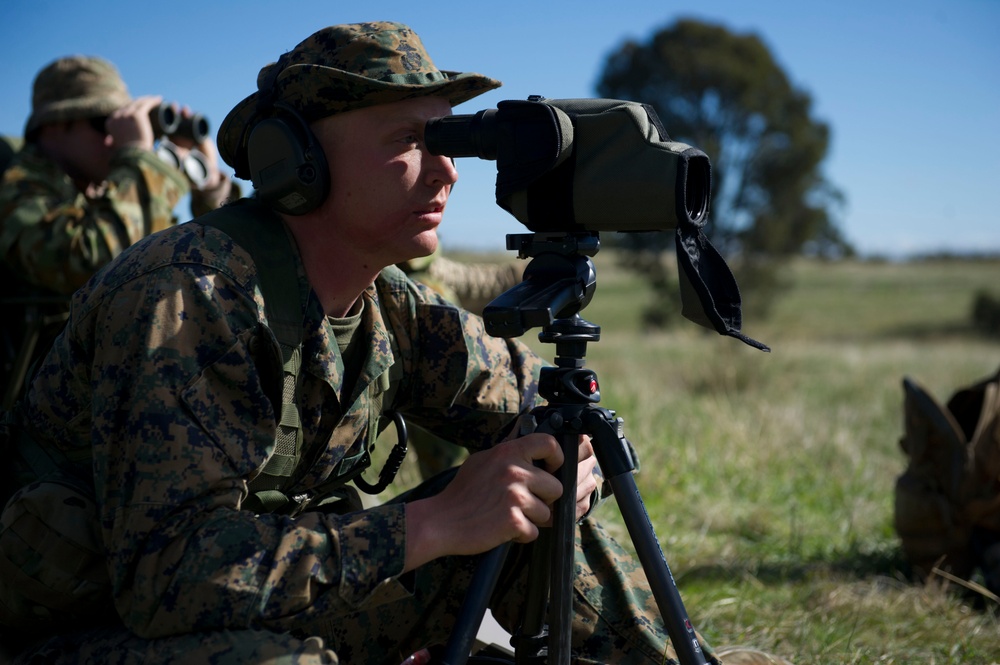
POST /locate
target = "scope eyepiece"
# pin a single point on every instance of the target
(463, 135)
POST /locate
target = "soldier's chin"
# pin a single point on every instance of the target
(425, 244)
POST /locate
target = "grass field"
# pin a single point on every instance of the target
(769, 476)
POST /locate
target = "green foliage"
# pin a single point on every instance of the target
(724, 93)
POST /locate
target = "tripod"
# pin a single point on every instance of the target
(558, 283)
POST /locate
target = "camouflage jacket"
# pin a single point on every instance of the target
(54, 237)
(155, 386)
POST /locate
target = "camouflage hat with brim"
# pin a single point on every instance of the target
(344, 68)
(75, 87)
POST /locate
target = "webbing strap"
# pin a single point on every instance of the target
(376, 399)
(260, 232)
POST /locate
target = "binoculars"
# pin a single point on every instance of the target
(167, 121)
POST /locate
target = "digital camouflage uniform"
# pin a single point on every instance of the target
(54, 237)
(9, 145)
(471, 286)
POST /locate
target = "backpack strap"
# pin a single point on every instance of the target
(261, 233)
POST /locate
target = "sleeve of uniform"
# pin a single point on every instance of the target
(55, 237)
(180, 420)
(461, 383)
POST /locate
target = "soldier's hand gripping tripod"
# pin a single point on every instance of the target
(558, 283)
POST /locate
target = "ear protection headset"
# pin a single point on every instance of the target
(286, 163)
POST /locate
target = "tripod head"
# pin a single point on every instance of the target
(559, 281)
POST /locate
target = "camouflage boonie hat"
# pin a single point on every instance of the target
(343, 68)
(74, 87)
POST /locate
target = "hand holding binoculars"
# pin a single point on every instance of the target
(168, 121)
(190, 162)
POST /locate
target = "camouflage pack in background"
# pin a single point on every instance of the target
(947, 500)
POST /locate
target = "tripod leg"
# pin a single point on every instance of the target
(616, 463)
(474, 606)
(661, 580)
(563, 535)
(530, 639)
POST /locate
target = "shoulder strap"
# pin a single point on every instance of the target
(261, 233)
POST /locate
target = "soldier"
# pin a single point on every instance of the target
(161, 418)
(85, 185)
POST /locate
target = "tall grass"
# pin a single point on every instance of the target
(769, 476)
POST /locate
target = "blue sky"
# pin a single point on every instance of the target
(911, 89)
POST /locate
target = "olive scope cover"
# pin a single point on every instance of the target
(587, 165)
(583, 164)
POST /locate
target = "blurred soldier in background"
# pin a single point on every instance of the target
(471, 286)
(84, 185)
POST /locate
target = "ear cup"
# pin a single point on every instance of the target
(287, 165)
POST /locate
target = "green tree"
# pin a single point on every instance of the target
(724, 93)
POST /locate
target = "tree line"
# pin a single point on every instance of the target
(724, 93)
